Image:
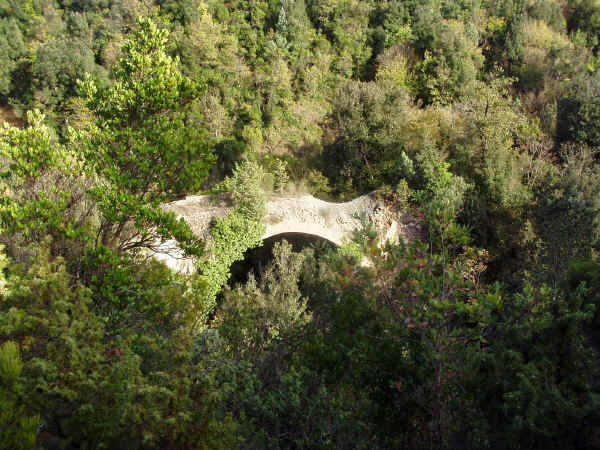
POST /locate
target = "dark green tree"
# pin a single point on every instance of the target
(584, 15)
(12, 50)
(17, 431)
(366, 117)
(579, 111)
(94, 386)
(58, 65)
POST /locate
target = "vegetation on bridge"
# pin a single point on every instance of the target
(479, 117)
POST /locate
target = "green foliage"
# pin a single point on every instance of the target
(144, 297)
(441, 198)
(364, 152)
(99, 390)
(451, 60)
(280, 401)
(231, 236)
(445, 363)
(490, 156)
(247, 188)
(12, 50)
(345, 23)
(241, 230)
(584, 15)
(30, 151)
(522, 352)
(17, 431)
(58, 65)
(256, 315)
(583, 280)
(482, 115)
(141, 147)
(568, 214)
(579, 112)
(496, 128)
(281, 176)
(39, 194)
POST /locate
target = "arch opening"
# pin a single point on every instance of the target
(256, 259)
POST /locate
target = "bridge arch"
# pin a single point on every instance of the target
(307, 215)
(299, 239)
(257, 258)
(290, 228)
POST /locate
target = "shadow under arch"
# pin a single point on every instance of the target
(256, 259)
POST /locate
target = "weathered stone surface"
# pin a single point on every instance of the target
(335, 222)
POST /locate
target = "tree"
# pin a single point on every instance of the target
(584, 15)
(451, 58)
(17, 431)
(58, 64)
(579, 112)
(346, 25)
(431, 358)
(12, 48)
(568, 212)
(368, 118)
(97, 387)
(488, 155)
(441, 199)
(42, 193)
(256, 315)
(140, 147)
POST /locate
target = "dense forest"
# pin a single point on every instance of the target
(480, 118)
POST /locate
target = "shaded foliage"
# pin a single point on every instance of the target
(478, 120)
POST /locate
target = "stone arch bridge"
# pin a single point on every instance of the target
(335, 222)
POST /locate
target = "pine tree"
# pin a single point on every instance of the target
(17, 430)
